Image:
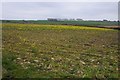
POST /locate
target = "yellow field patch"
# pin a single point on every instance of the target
(38, 26)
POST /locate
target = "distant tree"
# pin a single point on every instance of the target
(52, 19)
(105, 20)
(7, 21)
(78, 19)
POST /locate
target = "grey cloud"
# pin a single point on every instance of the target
(43, 10)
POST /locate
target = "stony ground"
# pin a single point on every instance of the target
(45, 51)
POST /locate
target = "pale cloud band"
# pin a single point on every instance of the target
(44, 10)
(59, 0)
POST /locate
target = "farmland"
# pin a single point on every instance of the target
(58, 51)
(80, 23)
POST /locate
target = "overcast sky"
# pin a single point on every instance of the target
(59, 0)
(44, 10)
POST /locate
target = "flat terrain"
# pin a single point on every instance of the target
(80, 23)
(59, 51)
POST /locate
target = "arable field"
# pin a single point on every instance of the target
(83, 23)
(58, 51)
